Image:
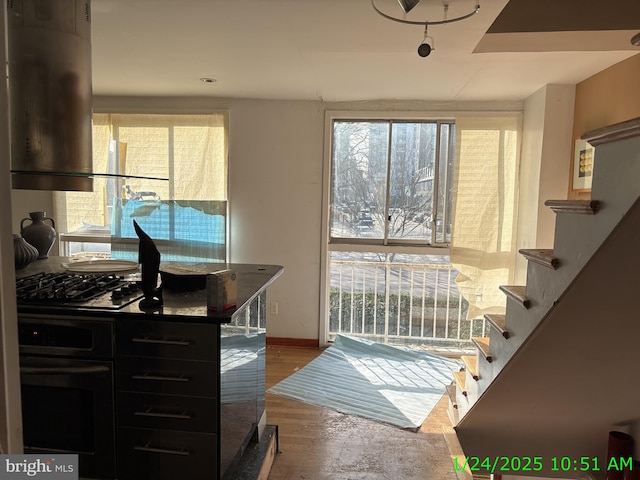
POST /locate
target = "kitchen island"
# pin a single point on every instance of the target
(178, 392)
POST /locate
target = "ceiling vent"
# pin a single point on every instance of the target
(50, 94)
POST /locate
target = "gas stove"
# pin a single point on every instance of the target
(62, 289)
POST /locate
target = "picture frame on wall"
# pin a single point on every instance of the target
(583, 158)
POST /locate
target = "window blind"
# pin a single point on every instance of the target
(483, 246)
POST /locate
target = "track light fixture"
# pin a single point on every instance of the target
(427, 45)
(635, 40)
(425, 48)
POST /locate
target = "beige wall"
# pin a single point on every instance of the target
(608, 97)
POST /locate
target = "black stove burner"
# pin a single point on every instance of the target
(89, 290)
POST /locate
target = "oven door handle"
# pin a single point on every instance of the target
(64, 370)
(159, 378)
(157, 341)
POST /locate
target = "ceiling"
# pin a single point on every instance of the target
(342, 50)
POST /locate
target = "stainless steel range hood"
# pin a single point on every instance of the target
(49, 45)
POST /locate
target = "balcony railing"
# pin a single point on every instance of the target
(400, 303)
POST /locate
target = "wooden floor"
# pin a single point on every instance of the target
(317, 443)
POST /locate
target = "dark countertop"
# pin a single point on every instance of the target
(178, 306)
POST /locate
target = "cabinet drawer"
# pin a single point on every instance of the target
(167, 412)
(165, 455)
(168, 376)
(167, 339)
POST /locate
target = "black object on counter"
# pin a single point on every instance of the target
(149, 260)
(183, 283)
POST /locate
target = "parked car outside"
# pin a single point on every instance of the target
(365, 226)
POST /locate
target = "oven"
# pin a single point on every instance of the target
(67, 364)
(66, 371)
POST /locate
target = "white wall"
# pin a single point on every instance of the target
(25, 201)
(275, 198)
(556, 157)
(544, 166)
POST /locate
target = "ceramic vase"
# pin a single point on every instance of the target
(38, 233)
(23, 252)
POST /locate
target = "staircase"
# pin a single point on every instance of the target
(555, 373)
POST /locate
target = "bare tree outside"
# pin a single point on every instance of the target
(390, 185)
(383, 177)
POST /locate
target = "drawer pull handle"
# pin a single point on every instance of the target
(154, 341)
(146, 448)
(149, 413)
(63, 370)
(159, 378)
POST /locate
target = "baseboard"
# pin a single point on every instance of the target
(293, 342)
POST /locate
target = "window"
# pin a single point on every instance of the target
(421, 220)
(164, 167)
(388, 273)
(391, 181)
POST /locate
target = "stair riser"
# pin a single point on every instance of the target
(463, 404)
(486, 373)
(543, 284)
(472, 389)
(453, 413)
(500, 347)
(618, 174)
(518, 326)
(577, 237)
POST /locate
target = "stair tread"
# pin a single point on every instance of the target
(585, 207)
(483, 347)
(541, 256)
(460, 379)
(471, 365)
(518, 293)
(499, 322)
